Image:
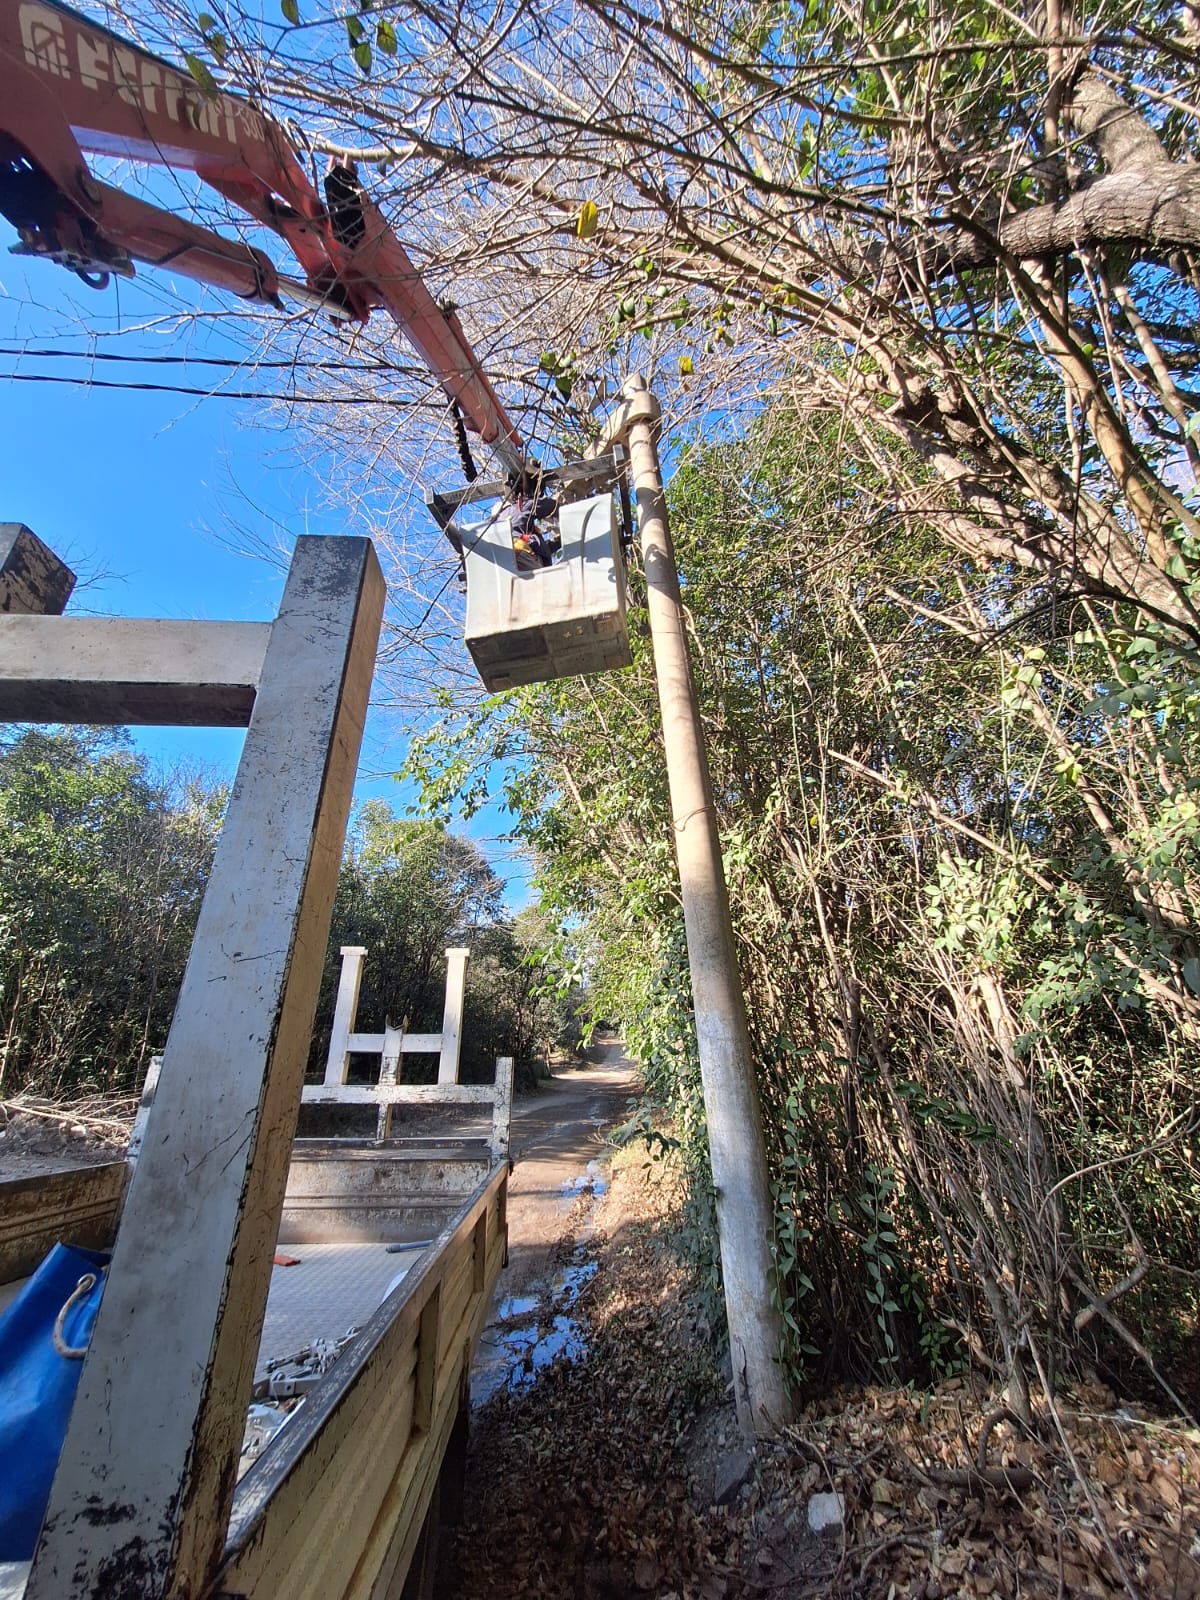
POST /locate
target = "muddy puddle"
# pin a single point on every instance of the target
(593, 1179)
(530, 1332)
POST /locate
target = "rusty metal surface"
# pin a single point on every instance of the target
(33, 581)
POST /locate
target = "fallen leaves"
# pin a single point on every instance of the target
(580, 1486)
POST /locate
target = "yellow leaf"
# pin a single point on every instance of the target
(588, 219)
(685, 367)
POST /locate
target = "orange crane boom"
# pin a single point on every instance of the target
(69, 85)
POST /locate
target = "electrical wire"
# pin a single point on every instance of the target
(215, 394)
(19, 351)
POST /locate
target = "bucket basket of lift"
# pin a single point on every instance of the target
(553, 622)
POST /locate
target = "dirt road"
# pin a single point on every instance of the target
(558, 1149)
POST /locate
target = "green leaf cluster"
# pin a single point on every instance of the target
(102, 869)
(962, 901)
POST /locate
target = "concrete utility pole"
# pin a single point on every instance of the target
(731, 1101)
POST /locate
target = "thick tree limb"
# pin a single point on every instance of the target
(1085, 539)
(1143, 199)
(1156, 209)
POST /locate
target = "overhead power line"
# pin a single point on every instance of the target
(19, 351)
(216, 394)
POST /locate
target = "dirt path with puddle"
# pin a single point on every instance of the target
(559, 1175)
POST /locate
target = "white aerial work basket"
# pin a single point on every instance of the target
(552, 622)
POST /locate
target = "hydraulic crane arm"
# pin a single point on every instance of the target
(68, 85)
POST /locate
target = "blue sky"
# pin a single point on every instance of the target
(140, 492)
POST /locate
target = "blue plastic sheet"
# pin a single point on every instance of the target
(38, 1383)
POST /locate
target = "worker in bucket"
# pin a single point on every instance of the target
(535, 546)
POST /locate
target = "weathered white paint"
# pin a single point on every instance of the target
(344, 1041)
(393, 1048)
(389, 1071)
(337, 1062)
(141, 1500)
(371, 1044)
(456, 982)
(149, 1090)
(392, 1043)
(526, 627)
(129, 670)
(379, 1094)
(421, 1044)
(502, 1108)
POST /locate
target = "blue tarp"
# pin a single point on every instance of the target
(38, 1384)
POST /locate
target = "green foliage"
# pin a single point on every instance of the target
(102, 869)
(963, 914)
(979, 911)
(201, 73)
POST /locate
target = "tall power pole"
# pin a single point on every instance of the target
(731, 1100)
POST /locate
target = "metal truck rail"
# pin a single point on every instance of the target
(402, 1242)
(146, 1501)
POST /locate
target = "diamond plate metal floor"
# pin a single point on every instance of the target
(334, 1288)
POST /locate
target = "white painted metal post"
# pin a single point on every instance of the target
(141, 1500)
(456, 980)
(393, 1048)
(502, 1108)
(149, 1089)
(389, 1073)
(731, 1101)
(345, 1013)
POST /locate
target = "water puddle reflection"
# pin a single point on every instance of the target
(569, 1283)
(531, 1331)
(592, 1180)
(515, 1306)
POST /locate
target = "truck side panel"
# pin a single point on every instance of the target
(334, 1508)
